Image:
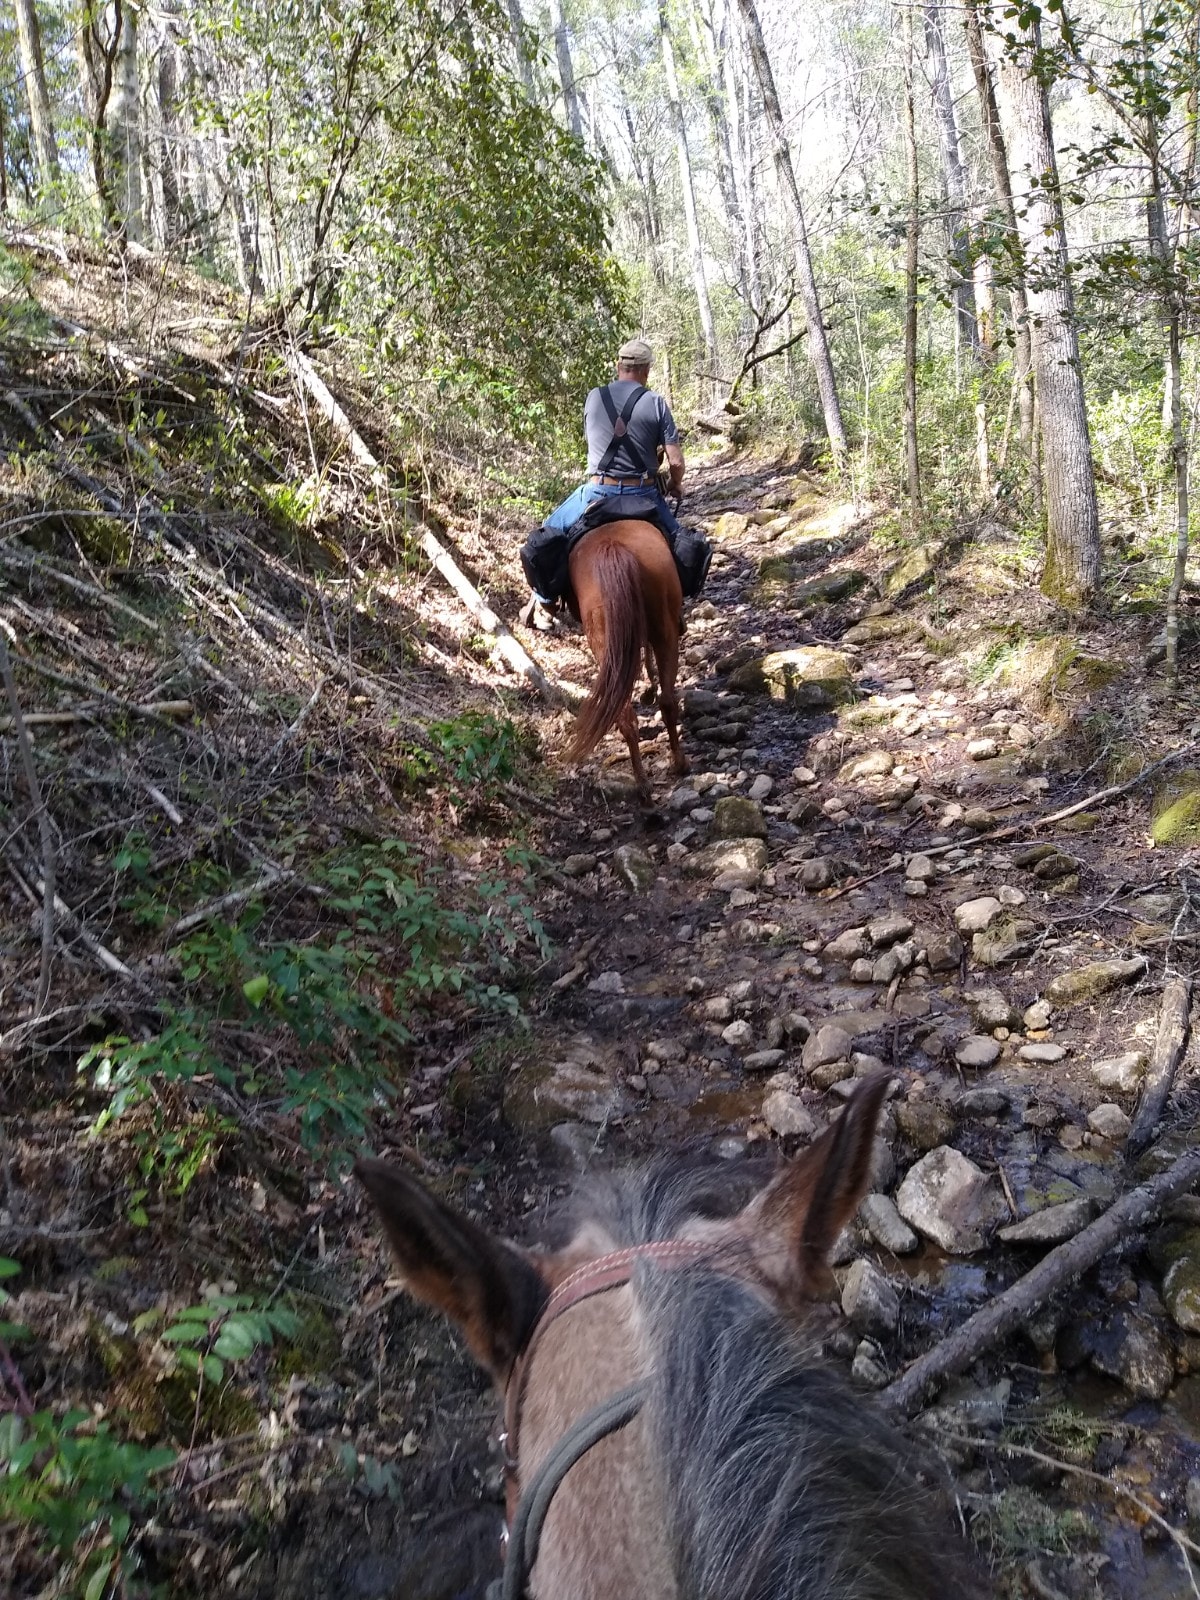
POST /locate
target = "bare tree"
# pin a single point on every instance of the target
(516, 30)
(566, 71)
(818, 343)
(912, 454)
(962, 286)
(1002, 181)
(1072, 570)
(33, 70)
(695, 245)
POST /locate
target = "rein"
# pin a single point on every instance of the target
(526, 1511)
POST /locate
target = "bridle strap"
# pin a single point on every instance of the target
(525, 1513)
(525, 1535)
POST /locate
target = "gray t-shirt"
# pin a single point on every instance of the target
(650, 425)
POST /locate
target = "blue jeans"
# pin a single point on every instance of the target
(567, 514)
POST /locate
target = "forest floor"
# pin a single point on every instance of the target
(287, 781)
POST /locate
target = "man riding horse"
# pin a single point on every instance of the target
(626, 425)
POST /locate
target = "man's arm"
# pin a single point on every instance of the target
(674, 457)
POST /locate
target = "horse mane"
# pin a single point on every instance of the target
(781, 1482)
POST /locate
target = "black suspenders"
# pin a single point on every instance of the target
(621, 431)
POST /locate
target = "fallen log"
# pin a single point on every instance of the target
(509, 649)
(1063, 1265)
(1174, 1025)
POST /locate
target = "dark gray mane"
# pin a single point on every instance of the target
(781, 1482)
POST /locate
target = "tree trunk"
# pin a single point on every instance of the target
(1072, 569)
(741, 126)
(689, 194)
(167, 87)
(125, 128)
(911, 242)
(33, 69)
(818, 343)
(712, 90)
(516, 31)
(566, 72)
(956, 187)
(1002, 180)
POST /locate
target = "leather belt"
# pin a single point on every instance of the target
(631, 483)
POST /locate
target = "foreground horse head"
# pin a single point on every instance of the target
(663, 1389)
(629, 600)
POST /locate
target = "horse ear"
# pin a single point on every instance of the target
(489, 1288)
(794, 1223)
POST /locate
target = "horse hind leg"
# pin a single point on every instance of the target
(650, 694)
(627, 723)
(666, 649)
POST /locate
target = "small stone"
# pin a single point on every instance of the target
(982, 749)
(846, 946)
(829, 1043)
(816, 874)
(761, 787)
(920, 869)
(607, 983)
(915, 888)
(876, 764)
(1123, 1074)
(982, 1102)
(719, 1008)
(1097, 978)
(886, 930)
(869, 1302)
(1110, 1122)
(1007, 937)
(948, 1199)
(1019, 735)
(1051, 1225)
(924, 1123)
(894, 961)
(990, 1009)
(775, 1033)
(579, 866)
(737, 878)
(741, 898)
(833, 1072)
(1008, 896)
(666, 1050)
(943, 952)
(683, 798)
(867, 1369)
(887, 1227)
(977, 1051)
(788, 1116)
(862, 970)
(738, 1034)
(977, 819)
(1055, 866)
(637, 1082)
(1041, 1055)
(738, 817)
(796, 1025)
(1037, 1016)
(974, 916)
(634, 867)
(762, 1060)
(804, 775)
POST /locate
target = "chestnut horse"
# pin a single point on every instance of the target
(670, 1426)
(628, 598)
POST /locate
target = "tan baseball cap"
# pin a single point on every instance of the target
(636, 353)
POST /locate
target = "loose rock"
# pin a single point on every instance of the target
(869, 1302)
(1097, 978)
(634, 866)
(1042, 1055)
(973, 916)
(886, 1226)
(976, 1050)
(829, 1043)
(1123, 1074)
(738, 1034)
(738, 817)
(786, 1114)
(947, 1198)
(1051, 1225)
(1110, 1122)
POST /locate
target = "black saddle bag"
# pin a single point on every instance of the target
(692, 551)
(544, 560)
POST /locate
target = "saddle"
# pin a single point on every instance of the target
(546, 553)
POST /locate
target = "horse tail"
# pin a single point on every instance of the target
(616, 574)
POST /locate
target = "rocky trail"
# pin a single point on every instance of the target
(819, 897)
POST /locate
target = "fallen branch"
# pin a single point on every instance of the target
(308, 377)
(50, 719)
(507, 647)
(290, 732)
(226, 902)
(1017, 1304)
(45, 828)
(1174, 1022)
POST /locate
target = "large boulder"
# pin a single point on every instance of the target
(1176, 811)
(914, 567)
(727, 855)
(808, 675)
